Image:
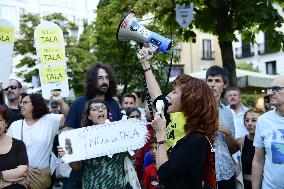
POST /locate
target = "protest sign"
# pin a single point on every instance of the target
(7, 32)
(50, 48)
(103, 139)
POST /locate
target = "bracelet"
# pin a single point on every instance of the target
(161, 142)
(147, 69)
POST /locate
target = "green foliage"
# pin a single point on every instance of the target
(247, 66)
(219, 17)
(122, 56)
(250, 100)
(77, 52)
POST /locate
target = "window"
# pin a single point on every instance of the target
(9, 13)
(206, 50)
(176, 70)
(271, 68)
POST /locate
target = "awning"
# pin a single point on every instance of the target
(246, 79)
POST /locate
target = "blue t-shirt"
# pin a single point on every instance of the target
(77, 109)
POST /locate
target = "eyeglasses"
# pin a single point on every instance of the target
(101, 78)
(24, 102)
(13, 87)
(274, 88)
(135, 116)
(97, 108)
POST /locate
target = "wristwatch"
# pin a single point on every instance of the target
(1, 177)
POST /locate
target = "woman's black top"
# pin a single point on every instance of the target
(15, 157)
(186, 164)
(247, 156)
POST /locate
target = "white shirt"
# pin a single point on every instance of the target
(38, 138)
(269, 135)
(240, 129)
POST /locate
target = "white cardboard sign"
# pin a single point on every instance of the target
(50, 48)
(184, 14)
(7, 32)
(104, 139)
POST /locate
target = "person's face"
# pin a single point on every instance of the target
(217, 85)
(174, 99)
(276, 93)
(135, 115)
(26, 106)
(98, 113)
(55, 110)
(250, 122)
(128, 102)
(3, 125)
(13, 92)
(234, 97)
(103, 81)
(153, 150)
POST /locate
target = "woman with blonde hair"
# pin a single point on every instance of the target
(246, 144)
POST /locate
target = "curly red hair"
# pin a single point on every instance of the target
(198, 105)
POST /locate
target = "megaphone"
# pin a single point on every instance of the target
(130, 29)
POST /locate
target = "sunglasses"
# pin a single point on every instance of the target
(13, 87)
(274, 88)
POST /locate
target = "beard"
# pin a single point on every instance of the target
(12, 97)
(102, 90)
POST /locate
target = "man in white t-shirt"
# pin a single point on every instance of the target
(268, 161)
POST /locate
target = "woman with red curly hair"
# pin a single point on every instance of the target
(193, 100)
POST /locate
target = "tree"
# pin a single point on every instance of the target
(121, 56)
(77, 52)
(247, 66)
(222, 18)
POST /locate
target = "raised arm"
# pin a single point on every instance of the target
(154, 89)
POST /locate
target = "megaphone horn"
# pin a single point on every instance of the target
(130, 29)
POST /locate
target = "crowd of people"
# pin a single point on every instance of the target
(195, 142)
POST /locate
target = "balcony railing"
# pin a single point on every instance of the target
(207, 55)
(263, 48)
(244, 51)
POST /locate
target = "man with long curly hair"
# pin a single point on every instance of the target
(100, 84)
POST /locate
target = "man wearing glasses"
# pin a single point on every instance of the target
(13, 93)
(268, 161)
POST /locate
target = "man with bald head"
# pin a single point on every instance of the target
(268, 161)
(13, 93)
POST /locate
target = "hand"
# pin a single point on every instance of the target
(61, 151)
(159, 123)
(32, 174)
(222, 128)
(145, 53)
(24, 183)
(55, 96)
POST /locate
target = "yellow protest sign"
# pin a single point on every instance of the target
(51, 55)
(6, 35)
(48, 36)
(53, 74)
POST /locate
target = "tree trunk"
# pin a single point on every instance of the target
(228, 61)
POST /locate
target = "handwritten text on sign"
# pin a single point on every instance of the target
(49, 36)
(51, 54)
(53, 74)
(6, 35)
(104, 139)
